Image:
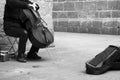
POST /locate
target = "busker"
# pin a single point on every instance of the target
(14, 27)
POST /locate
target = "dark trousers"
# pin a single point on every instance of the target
(15, 30)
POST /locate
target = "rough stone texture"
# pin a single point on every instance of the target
(73, 26)
(62, 15)
(2, 2)
(114, 5)
(68, 6)
(115, 14)
(101, 5)
(78, 6)
(72, 14)
(103, 14)
(58, 7)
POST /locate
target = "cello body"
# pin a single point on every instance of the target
(39, 35)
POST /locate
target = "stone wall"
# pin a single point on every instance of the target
(87, 16)
(2, 3)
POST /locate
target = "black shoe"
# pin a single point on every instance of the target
(21, 59)
(33, 56)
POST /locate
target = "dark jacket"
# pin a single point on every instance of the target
(12, 12)
(13, 8)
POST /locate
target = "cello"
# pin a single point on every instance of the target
(39, 35)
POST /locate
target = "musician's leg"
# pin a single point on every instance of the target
(32, 54)
(22, 35)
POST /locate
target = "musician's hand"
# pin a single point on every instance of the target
(32, 6)
(35, 6)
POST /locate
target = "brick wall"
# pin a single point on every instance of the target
(87, 16)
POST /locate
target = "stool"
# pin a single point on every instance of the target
(11, 41)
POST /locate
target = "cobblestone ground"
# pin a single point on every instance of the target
(65, 61)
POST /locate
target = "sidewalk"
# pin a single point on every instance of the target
(65, 61)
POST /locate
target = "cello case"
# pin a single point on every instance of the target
(103, 61)
(39, 35)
